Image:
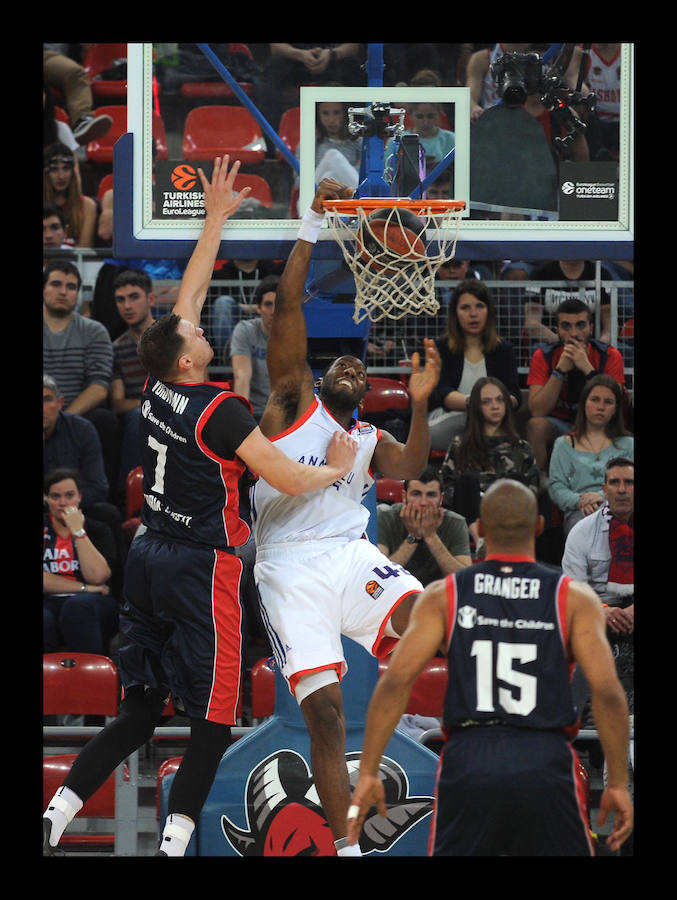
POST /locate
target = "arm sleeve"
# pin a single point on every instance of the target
(229, 424)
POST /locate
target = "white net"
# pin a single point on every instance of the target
(392, 283)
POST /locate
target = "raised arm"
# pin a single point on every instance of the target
(408, 460)
(291, 379)
(220, 204)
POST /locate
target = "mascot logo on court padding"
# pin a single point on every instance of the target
(285, 818)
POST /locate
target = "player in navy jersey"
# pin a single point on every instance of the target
(181, 622)
(512, 629)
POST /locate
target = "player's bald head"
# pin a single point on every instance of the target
(508, 513)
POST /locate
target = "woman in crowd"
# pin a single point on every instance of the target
(471, 349)
(489, 448)
(578, 459)
(61, 185)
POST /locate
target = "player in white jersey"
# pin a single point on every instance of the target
(317, 575)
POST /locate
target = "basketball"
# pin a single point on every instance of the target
(393, 231)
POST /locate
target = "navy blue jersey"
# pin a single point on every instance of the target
(190, 482)
(507, 646)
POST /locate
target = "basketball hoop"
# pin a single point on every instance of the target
(387, 243)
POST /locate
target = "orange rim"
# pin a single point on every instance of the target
(369, 204)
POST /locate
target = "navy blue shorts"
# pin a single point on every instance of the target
(181, 625)
(509, 792)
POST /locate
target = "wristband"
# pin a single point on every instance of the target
(310, 226)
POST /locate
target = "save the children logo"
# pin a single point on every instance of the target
(285, 817)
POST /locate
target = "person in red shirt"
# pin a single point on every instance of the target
(558, 372)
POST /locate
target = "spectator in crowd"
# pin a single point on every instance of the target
(578, 459)
(134, 297)
(233, 302)
(470, 349)
(428, 541)
(54, 129)
(290, 65)
(544, 302)
(79, 557)
(54, 228)
(425, 122)
(489, 448)
(249, 346)
(165, 274)
(71, 441)
(603, 76)
(337, 152)
(78, 353)
(61, 185)
(483, 88)
(599, 551)
(64, 74)
(557, 373)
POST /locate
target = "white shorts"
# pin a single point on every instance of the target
(311, 594)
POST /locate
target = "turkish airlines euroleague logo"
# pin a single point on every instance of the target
(184, 177)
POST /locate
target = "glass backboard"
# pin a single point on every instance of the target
(523, 200)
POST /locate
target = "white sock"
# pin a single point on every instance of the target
(176, 835)
(62, 809)
(343, 848)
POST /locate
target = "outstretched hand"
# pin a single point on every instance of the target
(221, 200)
(330, 189)
(423, 381)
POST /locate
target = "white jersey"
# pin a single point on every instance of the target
(336, 511)
(604, 78)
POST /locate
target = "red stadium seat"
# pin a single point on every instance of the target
(96, 60)
(289, 129)
(105, 184)
(79, 684)
(389, 490)
(383, 395)
(101, 150)
(133, 503)
(260, 189)
(61, 115)
(168, 767)
(263, 689)
(212, 131)
(134, 492)
(101, 805)
(427, 694)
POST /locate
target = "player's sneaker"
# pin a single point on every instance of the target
(47, 849)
